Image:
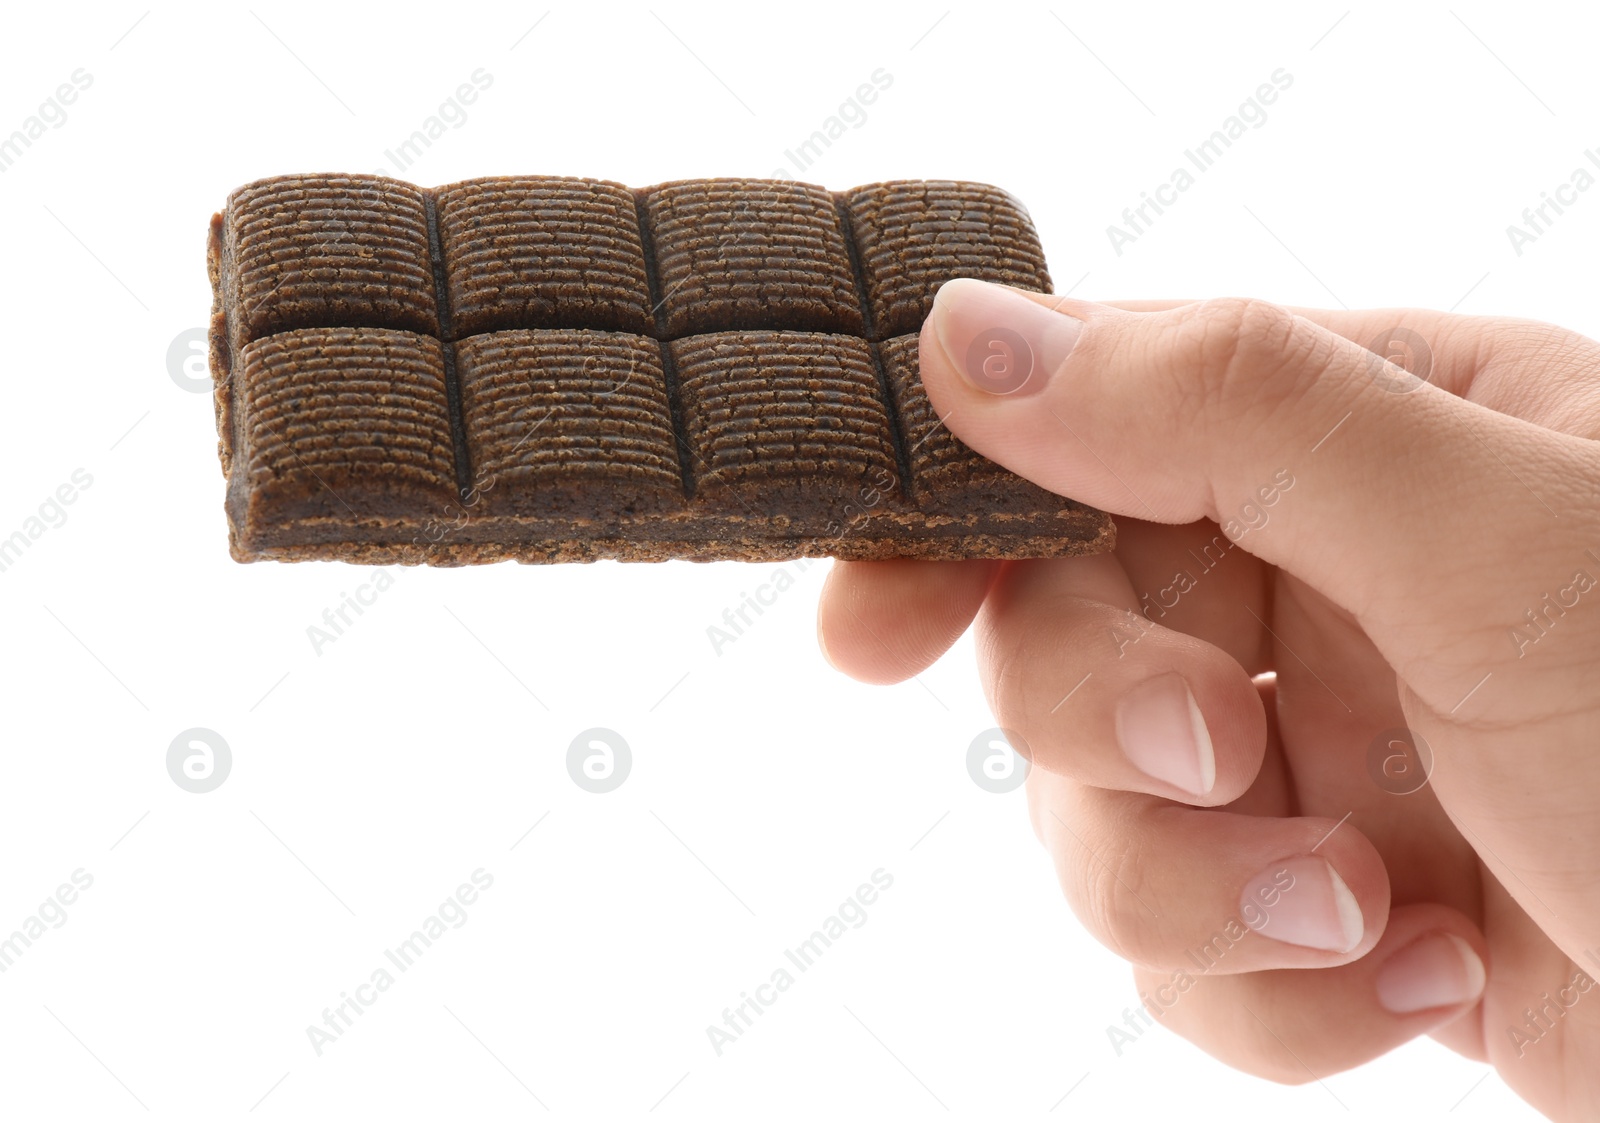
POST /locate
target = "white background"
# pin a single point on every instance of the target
(371, 779)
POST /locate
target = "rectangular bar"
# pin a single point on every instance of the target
(546, 368)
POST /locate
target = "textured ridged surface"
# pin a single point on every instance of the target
(766, 412)
(544, 252)
(568, 422)
(553, 369)
(329, 251)
(949, 475)
(914, 235)
(345, 422)
(761, 254)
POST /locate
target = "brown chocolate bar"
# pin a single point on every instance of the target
(544, 368)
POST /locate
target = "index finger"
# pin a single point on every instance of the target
(884, 621)
(1452, 340)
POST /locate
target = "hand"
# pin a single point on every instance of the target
(1405, 555)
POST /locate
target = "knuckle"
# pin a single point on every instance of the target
(1238, 355)
(1514, 339)
(1566, 356)
(1105, 890)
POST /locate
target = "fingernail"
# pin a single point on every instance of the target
(1163, 733)
(1303, 901)
(1001, 342)
(1437, 970)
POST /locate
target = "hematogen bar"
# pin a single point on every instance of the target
(556, 369)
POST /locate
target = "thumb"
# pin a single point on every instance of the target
(1389, 495)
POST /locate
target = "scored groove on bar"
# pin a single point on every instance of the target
(669, 365)
(452, 387)
(901, 459)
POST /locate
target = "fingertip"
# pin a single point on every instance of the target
(1434, 971)
(883, 621)
(1426, 975)
(822, 633)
